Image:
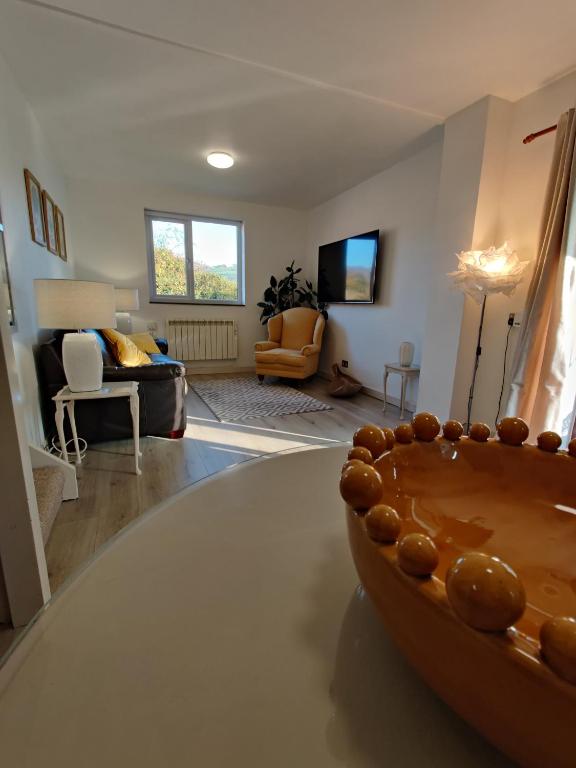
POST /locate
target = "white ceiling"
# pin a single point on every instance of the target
(312, 96)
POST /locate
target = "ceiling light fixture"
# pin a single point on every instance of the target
(220, 159)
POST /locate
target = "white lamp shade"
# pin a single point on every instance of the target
(127, 299)
(76, 304)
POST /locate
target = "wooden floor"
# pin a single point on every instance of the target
(112, 496)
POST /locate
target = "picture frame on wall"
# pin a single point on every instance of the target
(35, 208)
(49, 207)
(5, 290)
(61, 235)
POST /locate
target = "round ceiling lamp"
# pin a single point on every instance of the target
(220, 159)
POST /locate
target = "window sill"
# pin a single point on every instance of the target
(206, 303)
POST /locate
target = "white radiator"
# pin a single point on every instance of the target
(203, 339)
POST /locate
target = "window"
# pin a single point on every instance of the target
(194, 260)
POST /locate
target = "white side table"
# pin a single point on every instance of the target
(406, 373)
(67, 398)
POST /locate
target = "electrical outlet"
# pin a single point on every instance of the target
(344, 363)
(511, 317)
(517, 319)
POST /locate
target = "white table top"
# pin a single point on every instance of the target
(225, 628)
(403, 368)
(109, 389)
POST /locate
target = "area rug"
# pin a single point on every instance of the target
(236, 398)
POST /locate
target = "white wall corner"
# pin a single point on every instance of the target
(472, 138)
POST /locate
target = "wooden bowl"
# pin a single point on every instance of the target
(516, 505)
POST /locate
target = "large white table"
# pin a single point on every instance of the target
(226, 628)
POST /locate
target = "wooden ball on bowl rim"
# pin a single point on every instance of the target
(361, 453)
(479, 432)
(361, 487)
(351, 463)
(452, 430)
(390, 439)
(383, 524)
(549, 441)
(558, 646)
(485, 592)
(404, 433)
(426, 426)
(512, 430)
(372, 437)
(417, 554)
(572, 447)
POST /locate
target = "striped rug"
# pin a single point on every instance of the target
(236, 398)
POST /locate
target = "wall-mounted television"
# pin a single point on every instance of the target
(347, 268)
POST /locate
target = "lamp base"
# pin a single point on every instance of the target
(82, 359)
(124, 322)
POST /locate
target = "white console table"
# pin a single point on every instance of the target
(67, 398)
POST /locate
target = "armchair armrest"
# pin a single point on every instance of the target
(310, 349)
(264, 346)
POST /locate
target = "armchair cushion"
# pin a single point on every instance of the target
(298, 327)
(281, 356)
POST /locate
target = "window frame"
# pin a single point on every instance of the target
(188, 219)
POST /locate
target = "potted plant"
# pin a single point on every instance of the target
(288, 292)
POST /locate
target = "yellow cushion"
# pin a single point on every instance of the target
(145, 343)
(124, 350)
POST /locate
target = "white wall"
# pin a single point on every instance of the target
(23, 145)
(526, 170)
(401, 202)
(108, 225)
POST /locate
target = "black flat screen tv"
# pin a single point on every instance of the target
(347, 268)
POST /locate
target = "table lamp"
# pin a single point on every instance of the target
(127, 300)
(67, 304)
(479, 273)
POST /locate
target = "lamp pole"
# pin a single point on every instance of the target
(476, 363)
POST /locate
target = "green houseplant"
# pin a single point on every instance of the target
(288, 292)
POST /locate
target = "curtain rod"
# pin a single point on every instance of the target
(531, 136)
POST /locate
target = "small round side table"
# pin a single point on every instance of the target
(406, 373)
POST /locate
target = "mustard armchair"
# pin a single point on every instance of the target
(293, 347)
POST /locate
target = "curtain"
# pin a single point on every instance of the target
(543, 383)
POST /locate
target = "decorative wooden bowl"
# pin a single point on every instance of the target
(467, 546)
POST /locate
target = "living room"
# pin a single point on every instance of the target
(448, 163)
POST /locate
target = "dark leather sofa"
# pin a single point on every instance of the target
(162, 392)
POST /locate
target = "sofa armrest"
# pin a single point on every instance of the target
(310, 349)
(264, 346)
(162, 344)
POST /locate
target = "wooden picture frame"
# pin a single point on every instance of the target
(61, 235)
(35, 208)
(49, 207)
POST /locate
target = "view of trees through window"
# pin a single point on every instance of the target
(201, 266)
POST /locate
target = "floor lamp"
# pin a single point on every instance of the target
(480, 273)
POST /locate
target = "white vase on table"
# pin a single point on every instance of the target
(406, 354)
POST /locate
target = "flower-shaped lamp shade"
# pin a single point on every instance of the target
(495, 270)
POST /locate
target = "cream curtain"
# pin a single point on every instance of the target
(543, 383)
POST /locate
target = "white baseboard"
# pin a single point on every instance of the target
(391, 400)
